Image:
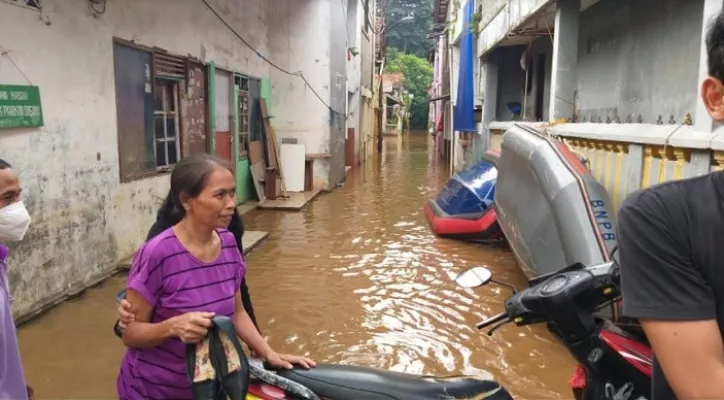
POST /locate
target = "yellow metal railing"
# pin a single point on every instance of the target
(663, 163)
(607, 162)
(611, 164)
(717, 160)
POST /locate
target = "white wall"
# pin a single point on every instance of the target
(299, 41)
(355, 17)
(84, 220)
(367, 55)
(628, 50)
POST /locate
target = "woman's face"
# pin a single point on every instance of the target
(215, 204)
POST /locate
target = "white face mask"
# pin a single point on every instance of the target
(14, 222)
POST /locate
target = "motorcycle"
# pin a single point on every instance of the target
(613, 364)
(343, 382)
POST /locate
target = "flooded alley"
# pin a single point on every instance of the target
(356, 277)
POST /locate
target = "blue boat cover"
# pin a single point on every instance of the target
(470, 191)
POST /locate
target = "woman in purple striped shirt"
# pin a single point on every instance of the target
(180, 279)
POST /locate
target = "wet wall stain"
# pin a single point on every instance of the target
(70, 240)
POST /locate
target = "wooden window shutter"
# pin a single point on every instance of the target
(167, 65)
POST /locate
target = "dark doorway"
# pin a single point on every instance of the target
(540, 72)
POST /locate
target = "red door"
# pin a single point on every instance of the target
(223, 145)
(224, 115)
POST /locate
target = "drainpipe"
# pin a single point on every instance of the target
(379, 92)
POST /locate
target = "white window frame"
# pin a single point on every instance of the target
(162, 165)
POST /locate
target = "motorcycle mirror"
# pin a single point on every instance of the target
(474, 277)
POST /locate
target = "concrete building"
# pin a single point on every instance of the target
(619, 81)
(360, 72)
(126, 88)
(394, 104)
(440, 89)
(448, 16)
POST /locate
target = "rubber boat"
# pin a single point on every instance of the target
(553, 212)
(464, 207)
(555, 215)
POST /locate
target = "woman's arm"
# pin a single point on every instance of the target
(252, 337)
(145, 281)
(141, 333)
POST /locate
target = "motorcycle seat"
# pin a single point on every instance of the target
(339, 382)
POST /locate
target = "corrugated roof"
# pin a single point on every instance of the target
(395, 78)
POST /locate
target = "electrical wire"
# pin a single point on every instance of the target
(6, 53)
(267, 60)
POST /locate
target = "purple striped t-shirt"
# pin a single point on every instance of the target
(175, 282)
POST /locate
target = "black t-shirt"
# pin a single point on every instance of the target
(671, 254)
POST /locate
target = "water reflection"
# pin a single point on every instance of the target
(356, 278)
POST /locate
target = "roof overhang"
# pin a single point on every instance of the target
(439, 12)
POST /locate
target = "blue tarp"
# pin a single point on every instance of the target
(464, 120)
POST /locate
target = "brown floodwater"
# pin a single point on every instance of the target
(356, 278)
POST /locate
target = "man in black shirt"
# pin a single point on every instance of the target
(671, 248)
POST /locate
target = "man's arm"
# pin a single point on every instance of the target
(662, 287)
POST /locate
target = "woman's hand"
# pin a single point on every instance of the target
(125, 317)
(287, 361)
(192, 327)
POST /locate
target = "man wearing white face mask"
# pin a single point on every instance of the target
(14, 222)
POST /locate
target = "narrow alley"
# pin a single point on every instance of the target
(356, 277)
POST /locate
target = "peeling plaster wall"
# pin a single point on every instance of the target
(84, 220)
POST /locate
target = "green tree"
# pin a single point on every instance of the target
(409, 36)
(418, 78)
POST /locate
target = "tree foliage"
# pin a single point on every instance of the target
(418, 78)
(409, 36)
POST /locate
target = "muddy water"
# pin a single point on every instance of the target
(356, 278)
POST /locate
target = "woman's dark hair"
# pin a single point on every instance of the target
(4, 164)
(171, 214)
(188, 178)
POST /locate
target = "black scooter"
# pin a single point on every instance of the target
(614, 364)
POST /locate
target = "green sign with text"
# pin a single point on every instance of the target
(20, 107)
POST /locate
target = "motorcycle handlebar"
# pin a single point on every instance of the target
(492, 320)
